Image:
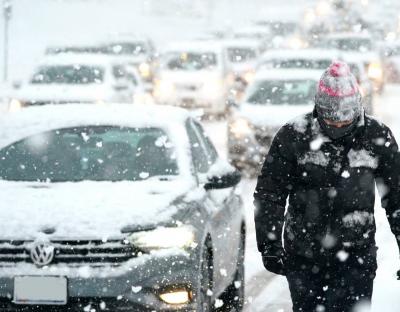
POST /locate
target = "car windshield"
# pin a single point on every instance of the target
(127, 48)
(190, 61)
(297, 63)
(351, 44)
(279, 92)
(97, 153)
(68, 74)
(239, 55)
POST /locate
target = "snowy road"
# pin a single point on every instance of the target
(268, 292)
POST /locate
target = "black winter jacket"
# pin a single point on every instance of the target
(330, 187)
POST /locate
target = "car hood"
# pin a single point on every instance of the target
(61, 93)
(85, 210)
(273, 116)
(188, 77)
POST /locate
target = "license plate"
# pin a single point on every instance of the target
(40, 290)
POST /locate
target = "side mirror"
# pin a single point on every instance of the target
(17, 84)
(226, 180)
(121, 86)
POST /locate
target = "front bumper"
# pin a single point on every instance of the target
(135, 286)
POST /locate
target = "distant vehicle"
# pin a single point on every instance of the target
(274, 97)
(82, 78)
(242, 57)
(140, 51)
(116, 208)
(259, 33)
(278, 27)
(365, 84)
(391, 61)
(313, 59)
(363, 47)
(137, 51)
(195, 75)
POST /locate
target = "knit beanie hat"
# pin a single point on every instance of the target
(338, 97)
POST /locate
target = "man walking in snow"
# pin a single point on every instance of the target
(326, 164)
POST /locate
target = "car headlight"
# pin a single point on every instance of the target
(163, 238)
(14, 105)
(240, 128)
(164, 88)
(375, 71)
(213, 87)
(249, 76)
(144, 70)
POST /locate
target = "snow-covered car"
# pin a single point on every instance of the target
(366, 86)
(259, 33)
(313, 59)
(116, 208)
(391, 61)
(84, 78)
(140, 52)
(242, 57)
(363, 47)
(194, 75)
(275, 96)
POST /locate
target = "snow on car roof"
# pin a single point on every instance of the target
(80, 58)
(245, 43)
(348, 35)
(194, 46)
(317, 54)
(36, 119)
(287, 74)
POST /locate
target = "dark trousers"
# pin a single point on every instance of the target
(338, 285)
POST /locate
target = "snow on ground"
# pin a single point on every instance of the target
(268, 292)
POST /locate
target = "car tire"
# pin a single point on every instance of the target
(204, 300)
(234, 295)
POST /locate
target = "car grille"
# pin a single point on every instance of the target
(75, 253)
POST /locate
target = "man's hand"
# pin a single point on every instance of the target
(274, 260)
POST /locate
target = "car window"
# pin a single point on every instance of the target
(199, 154)
(95, 153)
(212, 153)
(190, 61)
(68, 74)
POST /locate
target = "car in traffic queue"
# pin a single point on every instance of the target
(116, 208)
(242, 58)
(139, 51)
(391, 61)
(83, 78)
(195, 75)
(363, 47)
(254, 32)
(313, 59)
(274, 97)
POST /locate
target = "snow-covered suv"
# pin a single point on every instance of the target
(116, 208)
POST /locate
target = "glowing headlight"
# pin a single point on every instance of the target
(144, 70)
(213, 87)
(176, 297)
(164, 237)
(249, 76)
(240, 127)
(164, 88)
(375, 71)
(14, 105)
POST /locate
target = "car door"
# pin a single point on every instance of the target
(226, 218)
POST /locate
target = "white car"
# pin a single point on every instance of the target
(363, 47)
(313, 59)
(82, 78)
(259, 33)
(194, 75)
(242, 57)
(275, 97)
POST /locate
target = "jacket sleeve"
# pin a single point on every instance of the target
(272, 190)
(388, 182)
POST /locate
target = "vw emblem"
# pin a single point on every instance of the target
(42, 253)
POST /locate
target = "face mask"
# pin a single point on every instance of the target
(336, 133)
